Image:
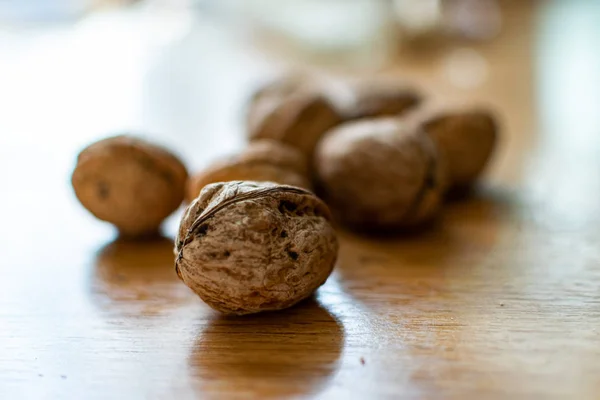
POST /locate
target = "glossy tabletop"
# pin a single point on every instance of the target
(499, 299)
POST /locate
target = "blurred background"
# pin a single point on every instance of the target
(181, 71)
(184, 68)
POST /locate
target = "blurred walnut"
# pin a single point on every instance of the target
(130, 183)
(262, 160)
(379, 174)
(246, 247)
(466, 139)
(292, 110)
(379, 98)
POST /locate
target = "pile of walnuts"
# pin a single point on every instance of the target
(258, 232)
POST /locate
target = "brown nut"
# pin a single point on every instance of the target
(379, 174)
(466, 139)
(379, 99)
(293, 111)
(263, 160)
(247, 247)
(130, 183)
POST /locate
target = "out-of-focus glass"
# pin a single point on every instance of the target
(357, 31)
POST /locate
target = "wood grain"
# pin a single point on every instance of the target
(499, 299)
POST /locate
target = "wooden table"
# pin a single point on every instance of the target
(500, 299)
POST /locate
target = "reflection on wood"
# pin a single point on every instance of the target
(137, 278)
(273, 354)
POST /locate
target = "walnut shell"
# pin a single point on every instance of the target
(263, 160)
(379, 174)
(130, 183)
(293, 111)
(381, 98)
(247, 247)
(466, 139)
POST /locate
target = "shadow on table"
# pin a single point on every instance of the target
(137, 278)
(276, 354)
(457, 246)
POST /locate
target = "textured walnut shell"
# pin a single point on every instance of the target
(130, 183)
(379, 174)
(263, 160)
(290, 112)
(247, 247)
(466, 139)
(379, 99)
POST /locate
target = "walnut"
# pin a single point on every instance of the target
(130, 183)
(466, 139)
(247, 247)
(291, 110)
(379, 98)
(263, 160)
(379, 174)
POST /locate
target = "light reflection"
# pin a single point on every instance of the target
(563, 180)
(137, 279)
(296, 351)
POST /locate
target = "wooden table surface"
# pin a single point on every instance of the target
(500, 299)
